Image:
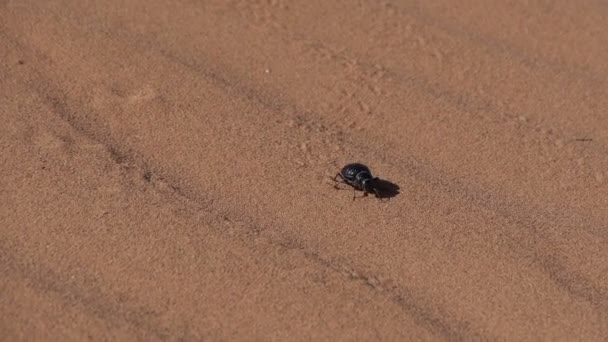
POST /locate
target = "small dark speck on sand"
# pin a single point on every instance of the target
(148, 176)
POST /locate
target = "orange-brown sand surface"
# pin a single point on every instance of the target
(165, 170)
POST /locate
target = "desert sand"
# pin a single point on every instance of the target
(165, 170)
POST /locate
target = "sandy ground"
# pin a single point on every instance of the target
(165, 165)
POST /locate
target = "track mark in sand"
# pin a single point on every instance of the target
(120, 155)
(492, 45)
(576, 284)
(433, 320)
(83, 295)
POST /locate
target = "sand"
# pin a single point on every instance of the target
(165, 170)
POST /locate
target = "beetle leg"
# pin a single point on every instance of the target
(338, 182)
(378, 195)
(336, 186)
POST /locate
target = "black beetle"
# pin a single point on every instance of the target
(360, 178)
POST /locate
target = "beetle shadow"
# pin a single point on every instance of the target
(385, 188)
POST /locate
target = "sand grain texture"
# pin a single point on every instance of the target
(164, 170)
